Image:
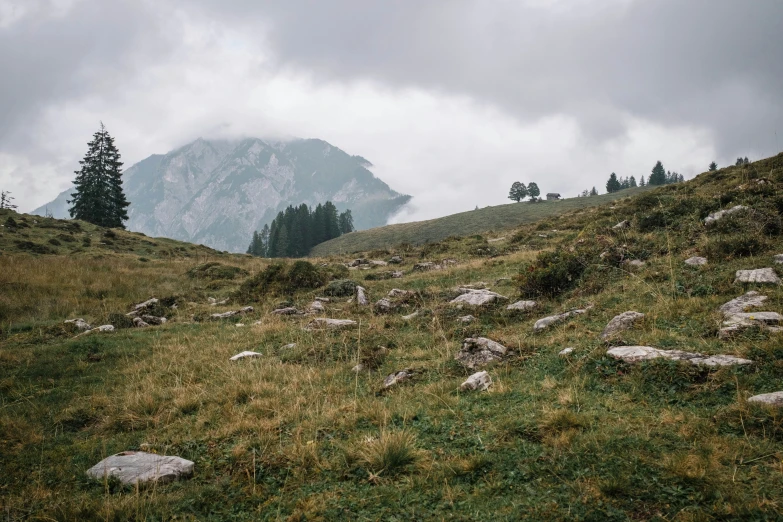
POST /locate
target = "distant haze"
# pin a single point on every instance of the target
(451, 100)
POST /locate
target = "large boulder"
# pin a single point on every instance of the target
(740, 304)
(479, 351)
(621, 322)
(546, 322)
(478, 381)
(479, 298)
(716, 216)
(737, 322)
(759, 275)
(138, 467)
(323, 323)
(769, 399)
(696, 261)
(361, 296)
(633, 354)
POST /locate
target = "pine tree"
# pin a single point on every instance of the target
(641, 182)
(253, 248)
(658, 175)
(5, 200)
(746, 161)
(533, 191)
(99, 198)
(613, 184)
(739, 162)
(713, 167)
(632, 182)
(346, 222)
(518, 192)
(593, 192)
(332, 221)
(264, 242)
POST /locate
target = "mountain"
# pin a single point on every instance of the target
(217, 192)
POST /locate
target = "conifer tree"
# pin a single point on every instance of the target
(613, 184)
(593, 192)
(713, 167)
(642, 182)
(99, 198)
(632, 182)
(346, 222)
(658, 175)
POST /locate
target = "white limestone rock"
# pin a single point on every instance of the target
(316, 307)
(104, 328)
(522, 305)
(465, 319)
(146, 304)
(778, 259)
(151, 319)
(395, 260)
(289, 346)
(138, 322)
(621, 225)
(232, 313)
(621, 322)
(478, 381)
(378, 262)
(479, 351)
(397, 274)
(740, 304)
(636, 263)
(80, 324)
(566, 351)
(411, 316)
(546, 322)
(138, 467)
(323, 299)
(645, 353)
(244, 355)
(759, 275)
(738, 322)
(768, 399)
(479, 298)
(323, 323)
(696, 261)
(716, 216)
(396, 378)
(383, 306)
(361, 296)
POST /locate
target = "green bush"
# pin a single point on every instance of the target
(551, 274)
(282, 279)
(341, 288)
(215, 270)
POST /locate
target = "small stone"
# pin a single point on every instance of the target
(696, 261)
(329, 324)
(621, 225)
(395, 260)
(99, 329)
(151, 319)
(361, 296)
(479, 298)
(378, 262)
(225, 315)
(635, 263)
(778, 259)
(80, 324)
(396, 292)
(323, 299)
(383, 306)
(759, 275)
(146, 304)
(211, 300)
(358, 262)
(466, 319)
(289, 346)
(137, 467)
(397, 274)
(715, 216)
(479, 351)
(426, 267)
(358, 368)
(316, 307)
(396, 378)
(645, 353)
(769, 399)
(239, 325)
(751, 299)
(566, 351)
(411, 316)
(522, 305)
(138, 322)
(286, 311)
(553, 319)
(244, 355)
(478, 381)
(621, 322)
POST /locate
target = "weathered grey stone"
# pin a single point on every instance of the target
(378, 262)
(146, 304)
(290, 310)
(715, 216)
(211, 300)
(316, 307)
(478, 298)
(138, 467)
(466, 319)
(358, 368)
(646, 353)
(411, 316)
(397, 293)
(495, 240)
(759, 275)
(232, 313)
(621, 225)
(522, 305)
(80, 324)
(323, 299)
(480, 285)
(621, 322)
(138, 322)
(769, 399)
(396, 378)
(566, 351)
(397, 274)
(151, 319)
(778, 259)
(99, 329)
(289, 346)
(244, 355)
(738, 322)
(383, 306)
(478, 381)
(479, 351)
(696, 261)
(553, 319)
(330, 324)
(361, 296)
(395, 260)
(636, 263)
(740, 304)
(426, 266)
(358, 262)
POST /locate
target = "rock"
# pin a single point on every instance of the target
(426, 267)
(138, 322)
(358, 368)
(715, 216)
(323, 299)
(737, 322)
(759, 275)
(329, 324)
(778, 259)
(378, 262)
(645, 353)
(211, 300)
(466, 319)
(479, 298)
(316, 307)
(396, 292)
(286, 311)
(478, 381)
(621, 225)
(289, 346)
(635, 263)
(397, 274)
(479, 351)
(621, 322)
(503, 280)
(696, 261)
(522, 305)
(495, 240)
(769, 399)
(138, 467)
(244, 355)
(751, 299)
(447, 262)
(383, 306)
(481, 285)
(232, 313)
(151, 319)
(544, 236)
(80, 324)
(239, 325)
(99, 329)
(146, 304)
(396, 378)
(361, 296)
(395, 260)
(411, 316)
(552, 319)
(566, 351)
(358, 262)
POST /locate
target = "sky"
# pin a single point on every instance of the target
(451, 100)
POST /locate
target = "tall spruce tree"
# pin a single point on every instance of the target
(658, 175)
(593, 192)
(713, 167)
(613, 184)
(642, 183)
(346, 222)
(99, 198)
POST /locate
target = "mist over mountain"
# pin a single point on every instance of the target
(217, 192)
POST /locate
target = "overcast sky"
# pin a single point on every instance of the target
(452, 100)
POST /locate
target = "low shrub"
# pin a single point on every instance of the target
(282, 279)
(215, 270)
(551, 274)
(341, 288)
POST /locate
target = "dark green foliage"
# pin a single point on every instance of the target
(99, 198)
(282, 279)
(305, 275)
(613, 185)
(341, 288)
(5, 200)
(54, 241)
(518, 192)
(259, 246)
(735, 245)
(713, 167)
(658, 175)
(298, 229)
(215, 270)
(35, 248)
(533, 191)
(551, 274)
(119, 320)
(346, 222)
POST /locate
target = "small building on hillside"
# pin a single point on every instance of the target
(552, 196)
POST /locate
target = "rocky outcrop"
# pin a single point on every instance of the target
(740, 304)
(716, 216)
(633, 354)
(768, 399)
(479, 351)
(138, 467)
(738, 322)
(478, 381)
(696, 261)
(479, 298)
(522, 306)
(621, 322)
(546, 322)
(759, 275)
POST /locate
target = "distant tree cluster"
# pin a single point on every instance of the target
(5, 200)
(298, 229)
(658, 176)
(614, 183)
(742, 161)
(519, 191)
(588, 192)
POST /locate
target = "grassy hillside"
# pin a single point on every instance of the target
(297, 435)
(499, 218)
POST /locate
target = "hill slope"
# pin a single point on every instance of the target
(218, 192)
(298, 432)
(498, 218)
